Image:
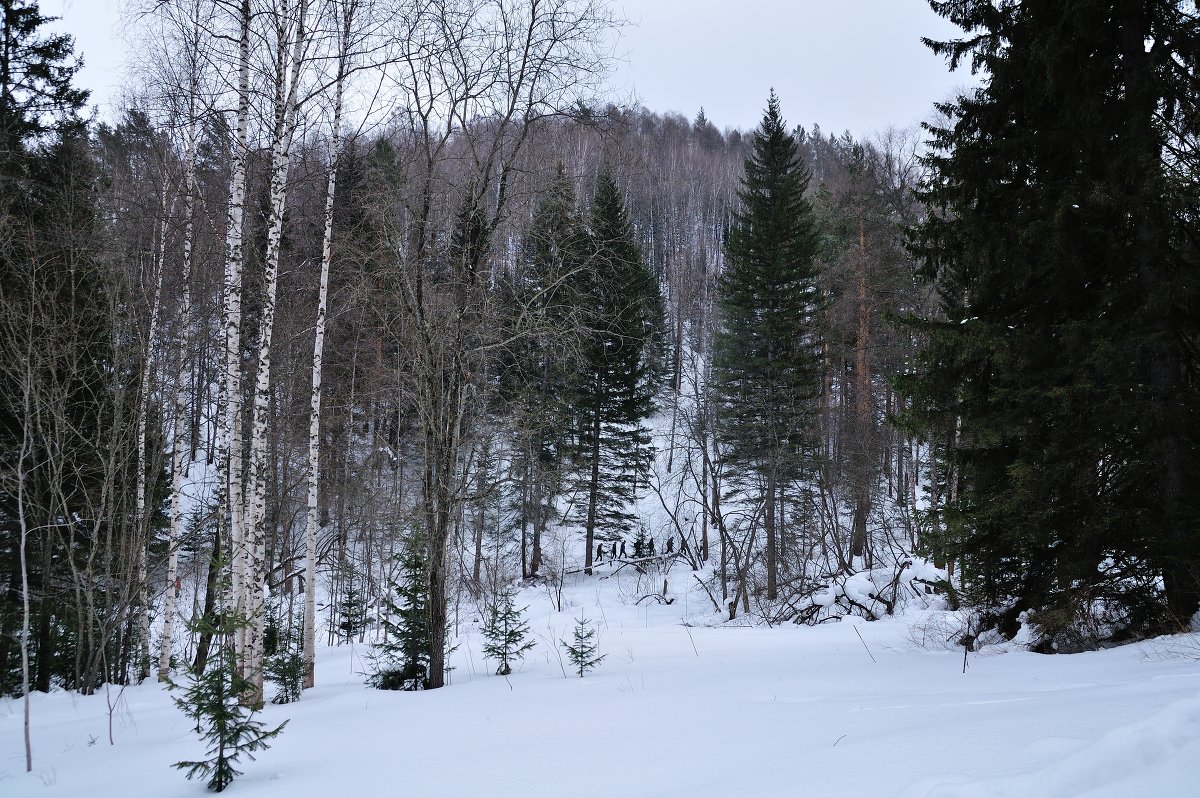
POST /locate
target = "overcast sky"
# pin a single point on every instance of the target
(855, 65)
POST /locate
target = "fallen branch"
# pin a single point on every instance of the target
(634, 561)
(659, 598)
(867, 613)
(711, 597)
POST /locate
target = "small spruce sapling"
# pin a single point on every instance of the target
(285, 666)
(353, 612)
(583, 652)
(213, 700)
(506, 633)
(287, 670)
(401, 661)
(272, 625)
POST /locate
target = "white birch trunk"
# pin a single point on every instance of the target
(314, 421)
(291, 36)
(231, 437)
(142, 528)
(179, 462)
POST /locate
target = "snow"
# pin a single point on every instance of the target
(684, 704)
(702, 709)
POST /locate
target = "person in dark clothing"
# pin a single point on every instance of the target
(651, 547)
(599, 552)
(671, 545)
(623, 549)
(613, 556)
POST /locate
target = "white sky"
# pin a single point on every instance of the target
(853, 65)
(93, 23)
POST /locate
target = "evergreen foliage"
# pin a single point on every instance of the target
(286, 668)
(352, 611)
(641, 544)
(65, 323)
(865, 279)
(584, 648)
(401, 662)
(284, 664)
(766, 367)
(36, 70)
(538, 375)
(506, 633)
(619, 374)
(213, 700)
(1061, 239)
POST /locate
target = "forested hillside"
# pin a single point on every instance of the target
(367, 313)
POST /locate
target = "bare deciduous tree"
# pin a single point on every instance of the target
(475, 78)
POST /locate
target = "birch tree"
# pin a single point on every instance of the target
(144, 398)
(15, 334)
(346, 10)
(230, 454)
(183, 67)
(289, 32)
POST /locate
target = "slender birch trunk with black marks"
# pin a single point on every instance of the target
(314, 423)
(141, 525)
(180, 450)
(290, 56)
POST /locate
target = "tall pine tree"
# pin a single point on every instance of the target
(618, 376)
(1061, 238)
(538, 374)
(36, 95)
(767, 366)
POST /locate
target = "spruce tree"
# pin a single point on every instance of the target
(506, 633)
(283, 647)
(618, 377)
(401, 662)
(36, 70)
(213, 700)
(766, 364)
(352, 611)
(641, 544)
(538, 374)
(1059, 241)
(584, 648)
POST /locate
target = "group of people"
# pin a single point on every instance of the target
(617, 549)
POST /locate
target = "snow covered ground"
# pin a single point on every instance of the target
(674, 710)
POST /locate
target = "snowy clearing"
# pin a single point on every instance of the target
(673, 710)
